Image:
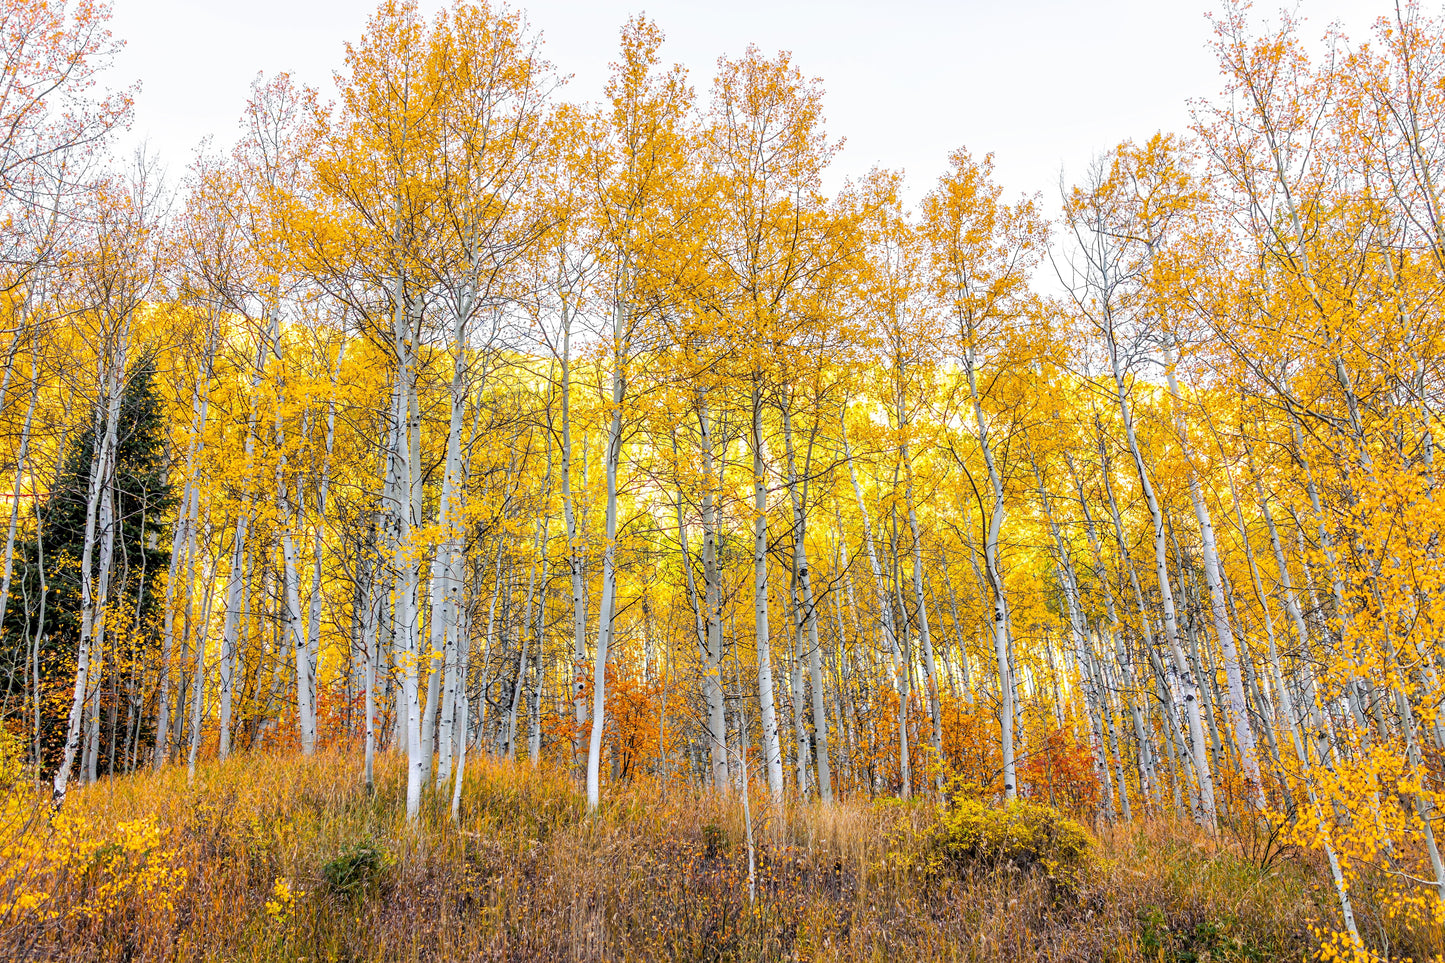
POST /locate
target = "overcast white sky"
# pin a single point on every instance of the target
(1044, 84)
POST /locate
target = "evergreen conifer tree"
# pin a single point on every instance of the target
(143, 506)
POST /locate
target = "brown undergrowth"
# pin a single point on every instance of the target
(283, 858)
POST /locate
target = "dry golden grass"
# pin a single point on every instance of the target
(290, 859)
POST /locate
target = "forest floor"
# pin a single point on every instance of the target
(273, 857)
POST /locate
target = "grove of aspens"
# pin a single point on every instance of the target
(456, 519)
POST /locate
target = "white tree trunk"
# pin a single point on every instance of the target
(198, 683)
(448, 612)
(712, 606)
(772, 753)
(168, 634)
(463, 706)
(925, 636)
(996, 582)
(1083, 647)
(21, 457)
(797, 493)
(1238, 704)
(404, 563)
(574, 544)
(97, 521)
(606, 604)
(183, 553)
(885, 607)
(524, 641)
(291, 599)
(534, 717)
(312, 645)
(237, 584)
(1142, 736)
(1199, 752)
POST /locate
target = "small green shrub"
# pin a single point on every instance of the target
(1206, 940)
(714, 840)
(355, 870)
(1154, 935)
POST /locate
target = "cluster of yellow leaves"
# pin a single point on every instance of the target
(282, 904)
(58, 865)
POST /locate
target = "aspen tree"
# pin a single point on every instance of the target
(1142, 737)
(909, 331)
(766, 144)
(884, 601)
(982, 253)
(710, 634)
(807, 610)
(1083, 645)
(566, 258)
(1133, 196)
(51, 127)
(21, 459)
(119, 277)
(387, 104)
(637, 155)
(1238, 709)
(212, 258)
(494, 87)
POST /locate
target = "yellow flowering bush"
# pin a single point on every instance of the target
(1024, 834)
(12, 761)
(132, 866)
(21, 855)
(63, 866)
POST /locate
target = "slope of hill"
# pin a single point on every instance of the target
(275, 857)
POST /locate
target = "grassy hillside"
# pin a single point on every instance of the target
(280, 858)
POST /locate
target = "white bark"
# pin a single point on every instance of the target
(609, 558)
(312, 645)
(97, 521)
(885, 606)
(772, 752)
(182, 553)
(404, 563)
(995, 578)
(237, 586)
(534, 717)
(797, 492)
(1144, 622)
(447, 602)
(1199, 752)
(1143, 738)
(575, 561)
(524, 641)
(925, 636)
(291, 596)
(712, 605)
(198, 683)
(21, 458)
(369, 641)
(1238, 704)
(463, 706)
(1083, 647)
